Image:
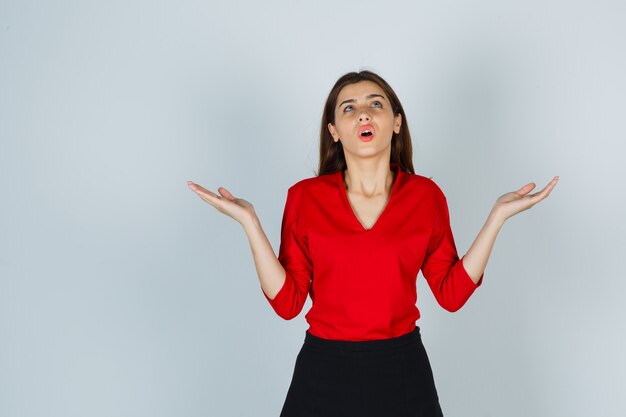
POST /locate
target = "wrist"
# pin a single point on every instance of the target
(251, 221)
(496, 217)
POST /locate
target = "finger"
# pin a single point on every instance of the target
(551, 184)
(546, 190)
(203, 192)
(223, 191)
(194, 187)
(526, 189)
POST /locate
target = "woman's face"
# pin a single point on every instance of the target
(364, 105)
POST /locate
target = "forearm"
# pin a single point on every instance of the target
(271, 273)
(475, 260)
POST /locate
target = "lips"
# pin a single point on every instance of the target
(366, 132)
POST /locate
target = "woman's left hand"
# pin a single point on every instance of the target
(510, 204)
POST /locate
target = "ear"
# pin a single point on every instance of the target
(397, 123)
(333, 132)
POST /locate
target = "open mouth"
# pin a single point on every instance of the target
(366, 132)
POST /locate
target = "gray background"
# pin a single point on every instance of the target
(124, 294)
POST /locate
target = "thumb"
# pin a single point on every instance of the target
(526, 189)
(224, 192)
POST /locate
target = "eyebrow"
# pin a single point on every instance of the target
(368, 97)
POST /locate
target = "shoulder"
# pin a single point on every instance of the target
(302, 195)
(313, 184)
(426, 187)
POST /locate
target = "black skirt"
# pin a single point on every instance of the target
(377, 378)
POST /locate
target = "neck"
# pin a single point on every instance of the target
(375, 182)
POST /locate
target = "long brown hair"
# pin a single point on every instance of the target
(332, 158)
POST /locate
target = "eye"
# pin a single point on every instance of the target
(374, 102)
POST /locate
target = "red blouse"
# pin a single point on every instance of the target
(362, 282)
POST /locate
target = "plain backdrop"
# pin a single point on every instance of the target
(124, 294)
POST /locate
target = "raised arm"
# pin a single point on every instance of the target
(285, 280)
(506, 206)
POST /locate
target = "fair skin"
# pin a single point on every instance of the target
(368, 180)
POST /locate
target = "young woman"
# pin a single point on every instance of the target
(354, 238)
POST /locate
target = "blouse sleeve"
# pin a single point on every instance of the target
(294, 256)
(445, 273)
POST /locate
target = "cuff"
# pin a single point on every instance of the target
(471, 282)
(276, 301)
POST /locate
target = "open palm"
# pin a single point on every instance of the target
(237, 208)
(509, 204)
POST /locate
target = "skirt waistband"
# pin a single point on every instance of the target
(363, 345)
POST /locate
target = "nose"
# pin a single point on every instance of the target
(364, 117)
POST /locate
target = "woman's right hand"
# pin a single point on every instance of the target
(237, 208)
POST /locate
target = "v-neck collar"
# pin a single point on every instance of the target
(342, 190)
